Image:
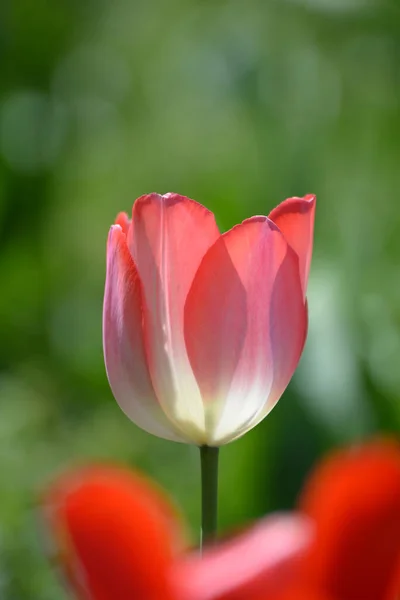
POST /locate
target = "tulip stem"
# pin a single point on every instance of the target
(209, 494)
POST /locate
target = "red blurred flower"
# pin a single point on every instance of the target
(354, 499)
(115, 534)
(202, 331)
(119, 539)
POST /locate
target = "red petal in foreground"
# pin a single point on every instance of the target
(354, 498)
(298, 594)
(115, 533)
(295, 218)
(255, 565)
(295, 594)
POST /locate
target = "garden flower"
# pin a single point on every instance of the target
(354, 499)
(117, 537)
(203, 331)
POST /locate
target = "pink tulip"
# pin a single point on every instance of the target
(202, 330)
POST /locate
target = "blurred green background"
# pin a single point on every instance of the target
(238, 105)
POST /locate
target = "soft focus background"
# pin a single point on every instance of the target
(238, 105)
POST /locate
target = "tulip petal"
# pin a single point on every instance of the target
(115, 536)
(168, 238)
(123, 221)
(123, 342)
(245, 325)
(354, 499)
(258, 564)
(295, 218)
(297, 594)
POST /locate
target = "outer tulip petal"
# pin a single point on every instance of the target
(354, 498)
(258, 564)
(245, 323)
(295, 218)
(123, 343)
(115, 535)
(168, 238)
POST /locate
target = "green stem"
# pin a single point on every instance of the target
(209, 494)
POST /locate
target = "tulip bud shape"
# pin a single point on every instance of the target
(202, 331)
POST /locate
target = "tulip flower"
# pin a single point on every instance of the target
(114, 534)
(203, 331)
(117, 537)
(354, 499)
